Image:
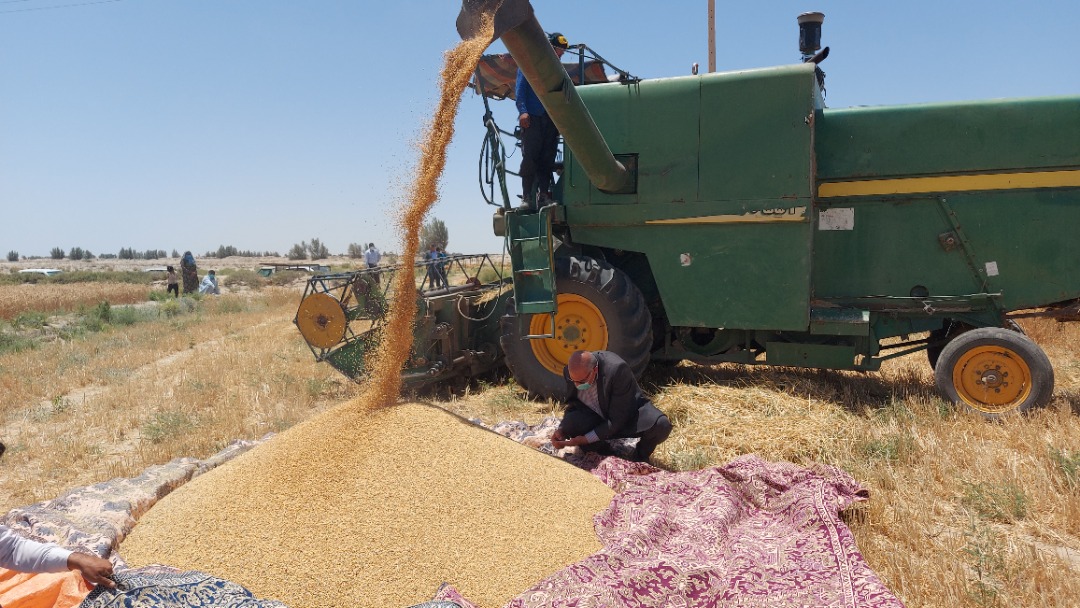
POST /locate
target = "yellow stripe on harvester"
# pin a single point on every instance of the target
(951, 183)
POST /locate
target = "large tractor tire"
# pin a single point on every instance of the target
(599, 308)
(995, 372)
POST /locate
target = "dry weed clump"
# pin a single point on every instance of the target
(377, 508)
(39, 297)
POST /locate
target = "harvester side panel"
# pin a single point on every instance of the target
(958, 198)
(944, 138)
(725, 179)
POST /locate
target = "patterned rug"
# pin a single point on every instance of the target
(750, 533)
(160, 587)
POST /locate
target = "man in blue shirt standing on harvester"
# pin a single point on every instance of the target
(539, 137)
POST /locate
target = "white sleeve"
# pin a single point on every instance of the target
(25, 555)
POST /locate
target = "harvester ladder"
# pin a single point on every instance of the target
(529, 240)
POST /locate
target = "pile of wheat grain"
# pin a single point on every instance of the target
(360, 507)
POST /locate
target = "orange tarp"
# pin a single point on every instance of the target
(53, 590)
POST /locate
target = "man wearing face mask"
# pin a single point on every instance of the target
(607, 403)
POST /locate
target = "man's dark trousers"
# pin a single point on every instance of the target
(539, 145)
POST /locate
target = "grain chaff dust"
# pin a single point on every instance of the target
(372, 505)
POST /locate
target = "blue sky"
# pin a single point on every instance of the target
(189, 124)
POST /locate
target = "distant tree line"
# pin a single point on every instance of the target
(314, 250)
(225, 251)
(432, 232)
(150, 254)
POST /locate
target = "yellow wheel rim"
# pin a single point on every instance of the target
(992, 379)
(321, 320)
(578, 326)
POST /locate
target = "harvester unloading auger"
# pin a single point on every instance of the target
(732, 217)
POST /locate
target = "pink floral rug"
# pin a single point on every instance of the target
(751, 533)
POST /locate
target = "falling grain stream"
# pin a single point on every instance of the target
(376, 502)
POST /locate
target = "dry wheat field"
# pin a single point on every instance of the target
(962, 512)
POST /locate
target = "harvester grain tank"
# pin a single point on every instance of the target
(732, 217)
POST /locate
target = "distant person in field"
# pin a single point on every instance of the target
(172, 282)
(444, 266)
(209, 284)
(539, 137)
(372, 256)
(607, 403)
(189, 273)
(432, 258)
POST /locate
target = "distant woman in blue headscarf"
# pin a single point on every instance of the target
(191, 276)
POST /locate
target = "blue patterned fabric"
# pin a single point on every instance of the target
(159, 587)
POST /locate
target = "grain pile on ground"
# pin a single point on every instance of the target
(377, 508)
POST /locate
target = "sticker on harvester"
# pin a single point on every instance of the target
(836, 219)
(685, 259)
(991, 269)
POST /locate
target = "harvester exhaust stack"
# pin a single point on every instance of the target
(519, 30)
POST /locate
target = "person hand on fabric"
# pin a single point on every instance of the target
(25, 555)
(558, 441)
(94, 569)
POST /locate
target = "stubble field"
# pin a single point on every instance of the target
(962, 512)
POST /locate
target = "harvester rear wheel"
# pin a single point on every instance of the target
(940, 337)
(599, 308)
(995, 372)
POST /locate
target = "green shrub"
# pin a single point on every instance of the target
(1067, 464)
(11, 343)
(102, 312)
(229, 305)
(1003, 503)
(163, 425)
(285, 277)
(125, 315)
(30, 319)
(250, 278)
(169, 308)
(893, 448)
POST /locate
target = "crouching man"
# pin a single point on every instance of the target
(606, 403)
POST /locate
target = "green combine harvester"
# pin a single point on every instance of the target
(731, 217)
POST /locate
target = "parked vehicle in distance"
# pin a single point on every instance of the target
(45, 271)
(270, 269)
